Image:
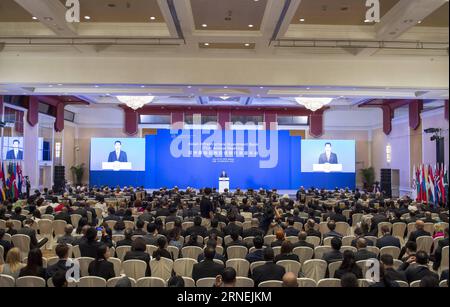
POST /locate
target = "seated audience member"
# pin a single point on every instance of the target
(363, 253)
(286, 252)
(387, 262)
(290, 280)
(62, 251)
(139, 231)
(419, 232)
(193, 241)
(138, 252)
(302, 236)
(211, 243)
(253, 231)
(175, 282)
(348, 266)
(63, 215)
(227, 279)
(310, 229)
(215, 229)
(332, 233)
(361, 233)
(335, 254)
(127, 241)
(438, 253)
(349, 280)
(162, 249)
(280, 238)
(385, 281)
(290, 230)
(119, 228)
(35, 266)
(258, 253)
(419, 270)
(197, 229)
(81, 224)
(111, 215)
(235, 240)
(59, 279)
(439, 231)
(207, 268)
(429, 281)
(152, 234)
(269, 270)
(5, 244)
(174, 238)
(101, 267)
(387, 239)
(29, 231)
(12, 265)
(90, 246)
(67, 238)
(232, 226)
(17, 215)
(10, 228)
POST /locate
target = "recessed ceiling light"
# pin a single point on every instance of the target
(206, 44)
(59, 84)
(247, 45)
(142, 86)
(420, 21)
(225, 87)
(96, 86)
(367, 21)
(87, 17)
(204, 25)
(261, 87)
(34, 18)
(302, 19)
(50, 85)
(153, 18)
(250, 26)
(308, 88)
(189, 86)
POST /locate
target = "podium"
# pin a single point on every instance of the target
(116, 166)
(224, 183)
(327, 168)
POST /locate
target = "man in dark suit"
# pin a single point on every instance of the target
(377, 219)
(62, 251)
(213, 244)
(15, 153)
(118, 154)
(197, 229)
(332, 233)
(215, 229)
(419, 269)
(17, 215)
(232, 227)
(127, 241)
(302, 241)
(28, 231)
(387, 239)
(387, 261)
(67, 238)
(419, 232)
(63, 216)
(90, 246)
(223, 174)
(328, 156)
(253, 231)
(258, 253)
(363, 253)
(335, 254)
(310, 229)
(5, 244)
(268, 271)
(206, 205)
(290, 230)
(207, 268)
(438, 253)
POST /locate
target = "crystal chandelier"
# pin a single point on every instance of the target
(135, 102)
(313, 104)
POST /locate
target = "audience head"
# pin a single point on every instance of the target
(209, 253)
(59, 279)
(411, 247)
(34, 259)
(161, 242)
(420, 225)
(336, 243)
(290, 280)
(229, 277)
(68, 229)
(361, 243)
(331, 225)
(234, 235)
(279, 234)
(139, 245)
(197, 221)
(124, 282)
(429, 281)
(128, 233)
(176, 282)
(140, 224)
(385, 230)
(422, 258)
(286, 247)
(349, 280)
(269, 254)
(302, 236)
(151, 228)
(62, 251)
(102, 252)
(258, 242)
(91, 234)
(387, 261)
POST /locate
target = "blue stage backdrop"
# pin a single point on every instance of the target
(189, 158)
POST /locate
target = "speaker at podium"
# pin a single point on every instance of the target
(224, 182)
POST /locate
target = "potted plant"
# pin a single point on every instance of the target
(78, 172)
(368, 177)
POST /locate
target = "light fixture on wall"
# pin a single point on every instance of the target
(388, 153)
(313, 104)
(136, 102)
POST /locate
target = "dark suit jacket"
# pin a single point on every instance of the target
(333, 159)
(438, 253)
(101, 268)
(291, 232)
(395, 275)
(198, 230)
(122, 157)
(63, 216)
(341, 272)
(268, 271)
(418, 233)
(388, 240)
(206, 268)
(364, 254)
(6, 247)
(59, 266)
(303, 244)
(252, 232)
(89, 249)
(314, 233)
(332, 256)
(32, 234)
(232, 227)
(18, 217)
(280, 257)
(124, 242)
(10, 155)
(417, 272)
(257, 255)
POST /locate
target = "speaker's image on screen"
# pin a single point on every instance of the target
(13, 148)
(117, 154)
(328, 156)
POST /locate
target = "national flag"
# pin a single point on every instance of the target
(441, 185)
(3, 184)
(414, 194)
(430, 181)
(19, 178)
(423, 186)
